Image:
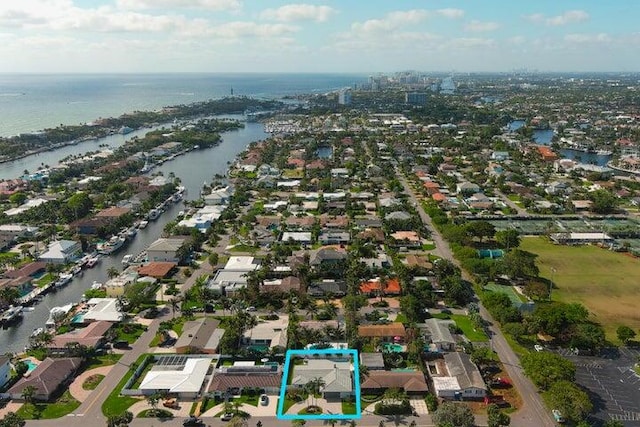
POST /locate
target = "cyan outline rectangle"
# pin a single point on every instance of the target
(356, 379)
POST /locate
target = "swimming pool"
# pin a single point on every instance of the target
(78, 318)
(396, 348)
(31, 365)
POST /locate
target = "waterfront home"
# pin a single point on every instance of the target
(61, 252)
(157, 270)
(101, 310)
(91, 336)
(33, 270)
(166, 249)
(47, 378)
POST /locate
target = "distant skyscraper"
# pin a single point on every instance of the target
(344, 97)
(415, 98)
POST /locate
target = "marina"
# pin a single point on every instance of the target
(193, 168)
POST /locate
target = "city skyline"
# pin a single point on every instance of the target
(316, 36)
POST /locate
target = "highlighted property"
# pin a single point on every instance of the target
(320, 385)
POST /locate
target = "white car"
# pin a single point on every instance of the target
(538, 347)
(226, 417)
(264, 400)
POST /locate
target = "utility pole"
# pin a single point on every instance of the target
(553, 274)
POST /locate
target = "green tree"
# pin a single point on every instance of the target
(480, 229)
(604, 201)
(545, 368)
(497, 418)
(112, 272)
(452, 415)
(519, 263)
(625, 334)
(29, 393)
(613, 423)
(11, 419)
(18, 198)
(570, 400)
(508, 238)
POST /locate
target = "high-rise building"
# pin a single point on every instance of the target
(344, 97)
(415, 98)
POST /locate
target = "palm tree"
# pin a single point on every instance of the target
(112, 272)
(153, 402)
(175, 305)
(314, 385)
(29, 393)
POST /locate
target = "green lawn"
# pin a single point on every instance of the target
(129, 332)
(47, 278)
(464, 323)
(64, 405)
(348, 407)
(402, 318)
(103, 360)
(115, 404)
(603, 281)
(92, 382)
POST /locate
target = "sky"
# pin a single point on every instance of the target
(360, 36)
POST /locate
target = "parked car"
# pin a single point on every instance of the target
(251, 308)
(538, 347)
(500, 383)
(264, 399)
(557, 415)
(122, 344)
(226, 416)
(193, 421)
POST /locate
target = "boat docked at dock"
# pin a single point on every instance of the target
(92, 261)
(126, 260)
(11, 315)
(113, 245)
(63, 280)
(57, 313)
(143, 224)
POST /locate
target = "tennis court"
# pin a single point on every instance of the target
(507, 290)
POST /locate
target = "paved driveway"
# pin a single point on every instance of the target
(419, 405)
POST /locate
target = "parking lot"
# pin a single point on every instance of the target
(613, 385)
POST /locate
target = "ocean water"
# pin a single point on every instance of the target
(32, 102)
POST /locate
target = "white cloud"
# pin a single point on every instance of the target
(392, 21)
(479, 26)
(451, 13)
(568, 17)
(299, 12)
(588, 38)
(160, 4)
(240, 29)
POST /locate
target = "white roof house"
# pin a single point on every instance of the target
(296, 236)
(103, 309)
(335, 375)
(242, 263)
(61, 251)
(25, 206)
(177, 374)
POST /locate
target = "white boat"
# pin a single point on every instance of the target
(115, 243)
(63, 280)
(37, 332)
(143, 224)
(11, 314)
(28, 309)
(76, 270)
(57, 312)
(96, 285)
(131, 232)
(92, 261)
(126, 260)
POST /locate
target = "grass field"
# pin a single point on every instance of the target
(508, 291)
(469, 330)
(603, 281)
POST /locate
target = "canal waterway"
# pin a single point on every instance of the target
(193, 169)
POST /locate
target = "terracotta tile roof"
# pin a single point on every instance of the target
(372, 286)
(439, 197)
(158, 269)
(113, 212)
(408, 381)
(28, 270)
(89, 335)
(390, 330)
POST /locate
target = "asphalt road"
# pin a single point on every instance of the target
(533, 412)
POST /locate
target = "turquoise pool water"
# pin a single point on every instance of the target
(78, 318)
(30, 364)
(396, 348)
(404, 370)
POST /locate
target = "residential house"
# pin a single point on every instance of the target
(266, 335)
(467, 188)
(182, 376)
(378, 381)
(220, 196)
(372, 234)
(284, 285)
(166, 249)
(102, 310)
(199, 336)
(375, 287)
(334, 237)
(47, 378)
(61, 252)
(158, 270)
(372, 361)
(387, 333)
(337, 381)
(233, 380)
(407, 239)
(91, 336)
(321, 288)
(398, 216)
(33, 269)
(418, 262)
(302, 237)
(233, 276)
(464, 380)
(438, 333)
(324, 256)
